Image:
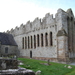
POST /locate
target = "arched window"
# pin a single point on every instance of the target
(34, 41)
(38, 40)
(69, 32)
(6, 49)
(28, 43)
(31, 42)
(46, 39)
(72, 33)
(51, 40)
(23, 43)
(41, 39)
(71, 18)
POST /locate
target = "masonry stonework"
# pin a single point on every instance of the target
(48, 38)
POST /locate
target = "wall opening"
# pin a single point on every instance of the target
(46, 39)
(28, 43)
(72, 34)
(41, 39)
(23, 43)
(71, 18)
(38, 40)
(51, 40)
(31, 42)
(6, 49)
(30, 54)
(34, 41)
(68, 25)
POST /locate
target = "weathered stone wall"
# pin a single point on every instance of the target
(62, 48)
(71, 33)
(37, 27)
(45, 51)
(7, 63)
(61, 20)
(46, 25)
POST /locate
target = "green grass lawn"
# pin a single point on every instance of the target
(53, 69)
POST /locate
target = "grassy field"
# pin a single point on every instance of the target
(53, 69)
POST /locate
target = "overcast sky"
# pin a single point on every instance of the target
(15, 12)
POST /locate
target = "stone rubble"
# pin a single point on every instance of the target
(69, 67)
(38, 72)
(21, 71)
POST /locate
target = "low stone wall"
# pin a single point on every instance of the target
(8, 64)
(58, 60)
(72, 60)
(42, 58)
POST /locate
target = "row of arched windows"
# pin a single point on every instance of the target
(34, 41)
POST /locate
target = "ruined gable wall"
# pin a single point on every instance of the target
(38, 26)
(61, 20)
(46, 25)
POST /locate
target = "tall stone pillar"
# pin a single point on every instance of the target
(62, 46)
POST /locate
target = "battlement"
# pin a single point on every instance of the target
(46, 21)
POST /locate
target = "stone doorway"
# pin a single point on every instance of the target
(30, 54)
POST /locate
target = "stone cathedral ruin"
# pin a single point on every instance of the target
(48, 38)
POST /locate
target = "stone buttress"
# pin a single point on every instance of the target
(62, 46)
